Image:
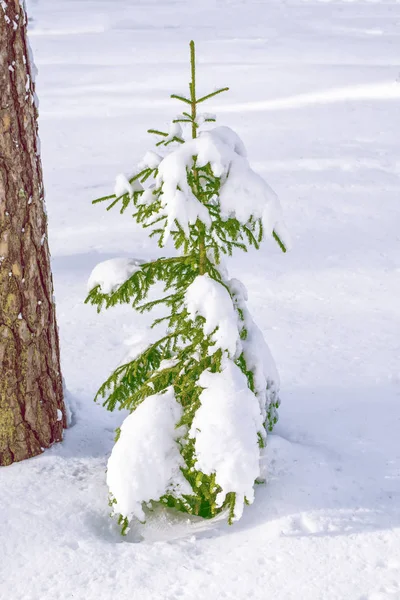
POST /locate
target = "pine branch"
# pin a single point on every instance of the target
(226, 89)
(156, 132)
(181, 98)
(103, 199)
(279, 241)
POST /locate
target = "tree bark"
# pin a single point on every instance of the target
(32, 412)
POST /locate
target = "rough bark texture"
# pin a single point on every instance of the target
(32, 413)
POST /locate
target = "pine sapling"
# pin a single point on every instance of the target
(203, 396)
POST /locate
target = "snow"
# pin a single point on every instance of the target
(228, 137)
(111, 274)
(182, 207)
(138, 343)
(243, 194)
(313, 95)
(202, 117)
(123, 186)
(256, 352)
(33, 70)
(151, 160)
(145, 463)
(174, 130)
(178, 203)
(225, 428)
(211, 300)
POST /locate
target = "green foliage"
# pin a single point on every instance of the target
(180, 356)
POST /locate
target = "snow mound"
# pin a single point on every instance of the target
(230, 138)
(123, 186)
(225, 428)
(243, 194)
(182, 207)
(256, 352)
(110, 274)
(145, 463)
(211, 300)
(151, 160)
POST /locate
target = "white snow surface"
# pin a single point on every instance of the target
(111, 274)
(225, 428)
(314, 94)
(145, 462)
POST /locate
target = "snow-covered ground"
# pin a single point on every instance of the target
(315, 95)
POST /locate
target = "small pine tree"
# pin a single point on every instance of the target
(203, 396)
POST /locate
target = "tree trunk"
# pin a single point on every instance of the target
(32, 412)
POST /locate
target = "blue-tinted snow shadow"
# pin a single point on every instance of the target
(85, 261)
(332, 469)
(82, 263)
(332, 465)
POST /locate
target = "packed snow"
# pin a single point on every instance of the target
(314, 94)
(111, 274)
(209, 299)
(256, 351)
(226, 428)
(150, 160)
(243, 194)
(124, 186)
(246, 194)
(145, 463)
